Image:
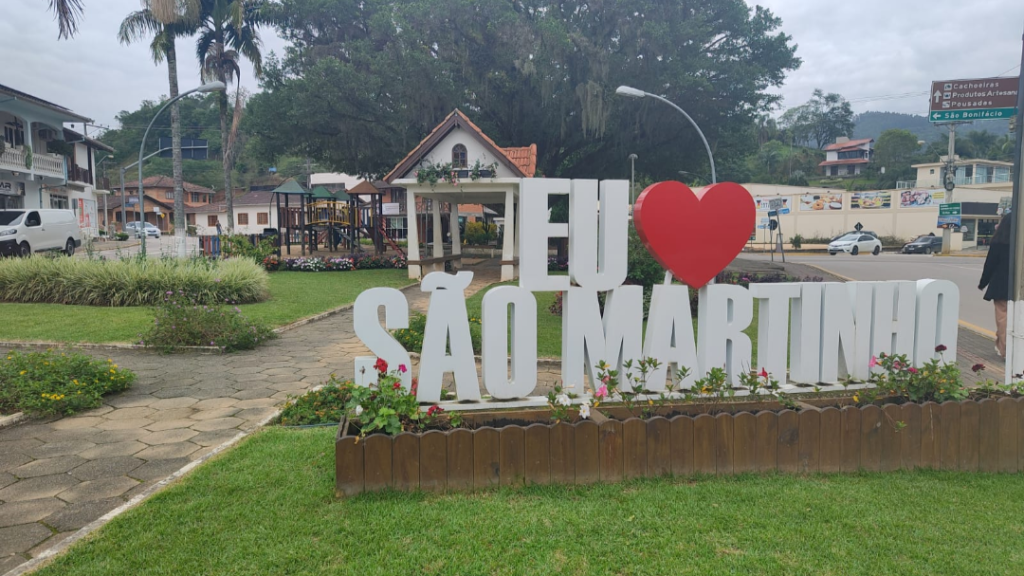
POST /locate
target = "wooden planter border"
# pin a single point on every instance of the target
(986, 436)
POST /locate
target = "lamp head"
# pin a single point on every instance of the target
(630, 92)
(214, 86)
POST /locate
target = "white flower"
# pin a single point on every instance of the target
(563, 399)
(584, 411)
(359, 410)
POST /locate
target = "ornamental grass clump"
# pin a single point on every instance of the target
(182, 321)
(135, 281)
(55, 383)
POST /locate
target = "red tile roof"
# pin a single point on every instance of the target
(167, 182)
(848, 145)
(525, 157)
(843, 162)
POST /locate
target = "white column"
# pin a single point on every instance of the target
(412, 235)
(453, 223)
(509, 239)
(519, 226)
(438, 251)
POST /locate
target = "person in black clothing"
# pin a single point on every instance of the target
(996, 277)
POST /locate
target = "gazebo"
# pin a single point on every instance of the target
(458, 164)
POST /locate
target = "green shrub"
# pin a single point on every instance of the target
(796, 241)
(480, 234)
(53, 383)
(182, 321)
(130, 282)
(121, 236)
(241, 246)
(411, 338)
(323, 406)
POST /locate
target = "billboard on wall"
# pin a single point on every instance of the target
(818, 202)
(871, 200)
(765, 204)
(922, 198)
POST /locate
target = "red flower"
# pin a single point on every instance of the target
(940, 348)
(912, 370)
(415, 386)
(434, 410)
(763, 373)
(978, 367)
(381, 366)
(397, 385)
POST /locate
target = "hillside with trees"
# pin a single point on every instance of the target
(872, 124)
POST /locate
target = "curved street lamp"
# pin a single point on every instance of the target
(631, 92)
(208, 87)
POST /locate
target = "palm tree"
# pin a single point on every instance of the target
(166, 20)
(228, 29)
(67, 13)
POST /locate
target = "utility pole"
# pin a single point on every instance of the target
(949, 181)
(123, 213)
(1015, 312)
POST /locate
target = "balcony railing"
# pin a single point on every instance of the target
(42, 164)
(79, 174)
(983, 179)
(906, 184)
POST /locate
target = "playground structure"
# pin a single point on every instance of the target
(331, 221)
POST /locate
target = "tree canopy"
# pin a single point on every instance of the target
(365, 80)
(822, 119)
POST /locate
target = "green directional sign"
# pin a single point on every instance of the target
(949, 215)
(983, 114)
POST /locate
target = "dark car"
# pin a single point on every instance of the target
(923, 245)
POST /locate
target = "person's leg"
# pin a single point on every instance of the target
(1000, 306)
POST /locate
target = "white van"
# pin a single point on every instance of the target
(23, 232)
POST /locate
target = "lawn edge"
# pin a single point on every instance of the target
(11, 419)
(322, 315)
(101, 346)
(46, 556)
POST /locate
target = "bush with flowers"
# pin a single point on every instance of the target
(389, 408)
(898, 378)
(325, 405)
(411, 338)
(333, 264)
(182, 321)
(54, 383)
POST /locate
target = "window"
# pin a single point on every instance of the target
(932, 171)
(263, 218)
(169, 195)
(398, 195)
(459, 159)
(243, 219)
(211, 221)
(195, 197)
(59, 202)
(14, 136)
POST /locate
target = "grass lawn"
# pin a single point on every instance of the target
(293, 295)
(267, 507)
(549, 326)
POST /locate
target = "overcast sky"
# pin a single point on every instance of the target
(865, 50)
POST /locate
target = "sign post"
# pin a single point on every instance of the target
(1015, 308)
(950, 217)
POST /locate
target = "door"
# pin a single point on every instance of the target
(866, 243)
(35, 232)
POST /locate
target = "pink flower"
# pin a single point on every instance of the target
(912, 370)
(873, 362)
(402, 368)
(606, 379)
(602, 391)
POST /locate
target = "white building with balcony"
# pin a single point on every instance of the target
(45, 165)
(987, 174)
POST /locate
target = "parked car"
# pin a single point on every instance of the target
(23, 232)
(854, 243)
(134, 228)
(923, 245)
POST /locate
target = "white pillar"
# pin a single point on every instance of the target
(412, 235)
(509, 239)
(438, 251)
(519, 226)
(453, 224)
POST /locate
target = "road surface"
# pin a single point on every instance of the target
(963, 271)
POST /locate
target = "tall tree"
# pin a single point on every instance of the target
(895, 150)
(67, 13)
(229, 29)
(365, 80)
(166, 20)
(823, 118)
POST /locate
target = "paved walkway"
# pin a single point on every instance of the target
(58, 475)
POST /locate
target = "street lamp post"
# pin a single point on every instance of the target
(632, 177)
(208, 87)
(630, 92)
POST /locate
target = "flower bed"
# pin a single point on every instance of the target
(333, 264)
(57, 383)
(967, 435)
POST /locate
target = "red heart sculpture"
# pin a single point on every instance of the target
(694, 235)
